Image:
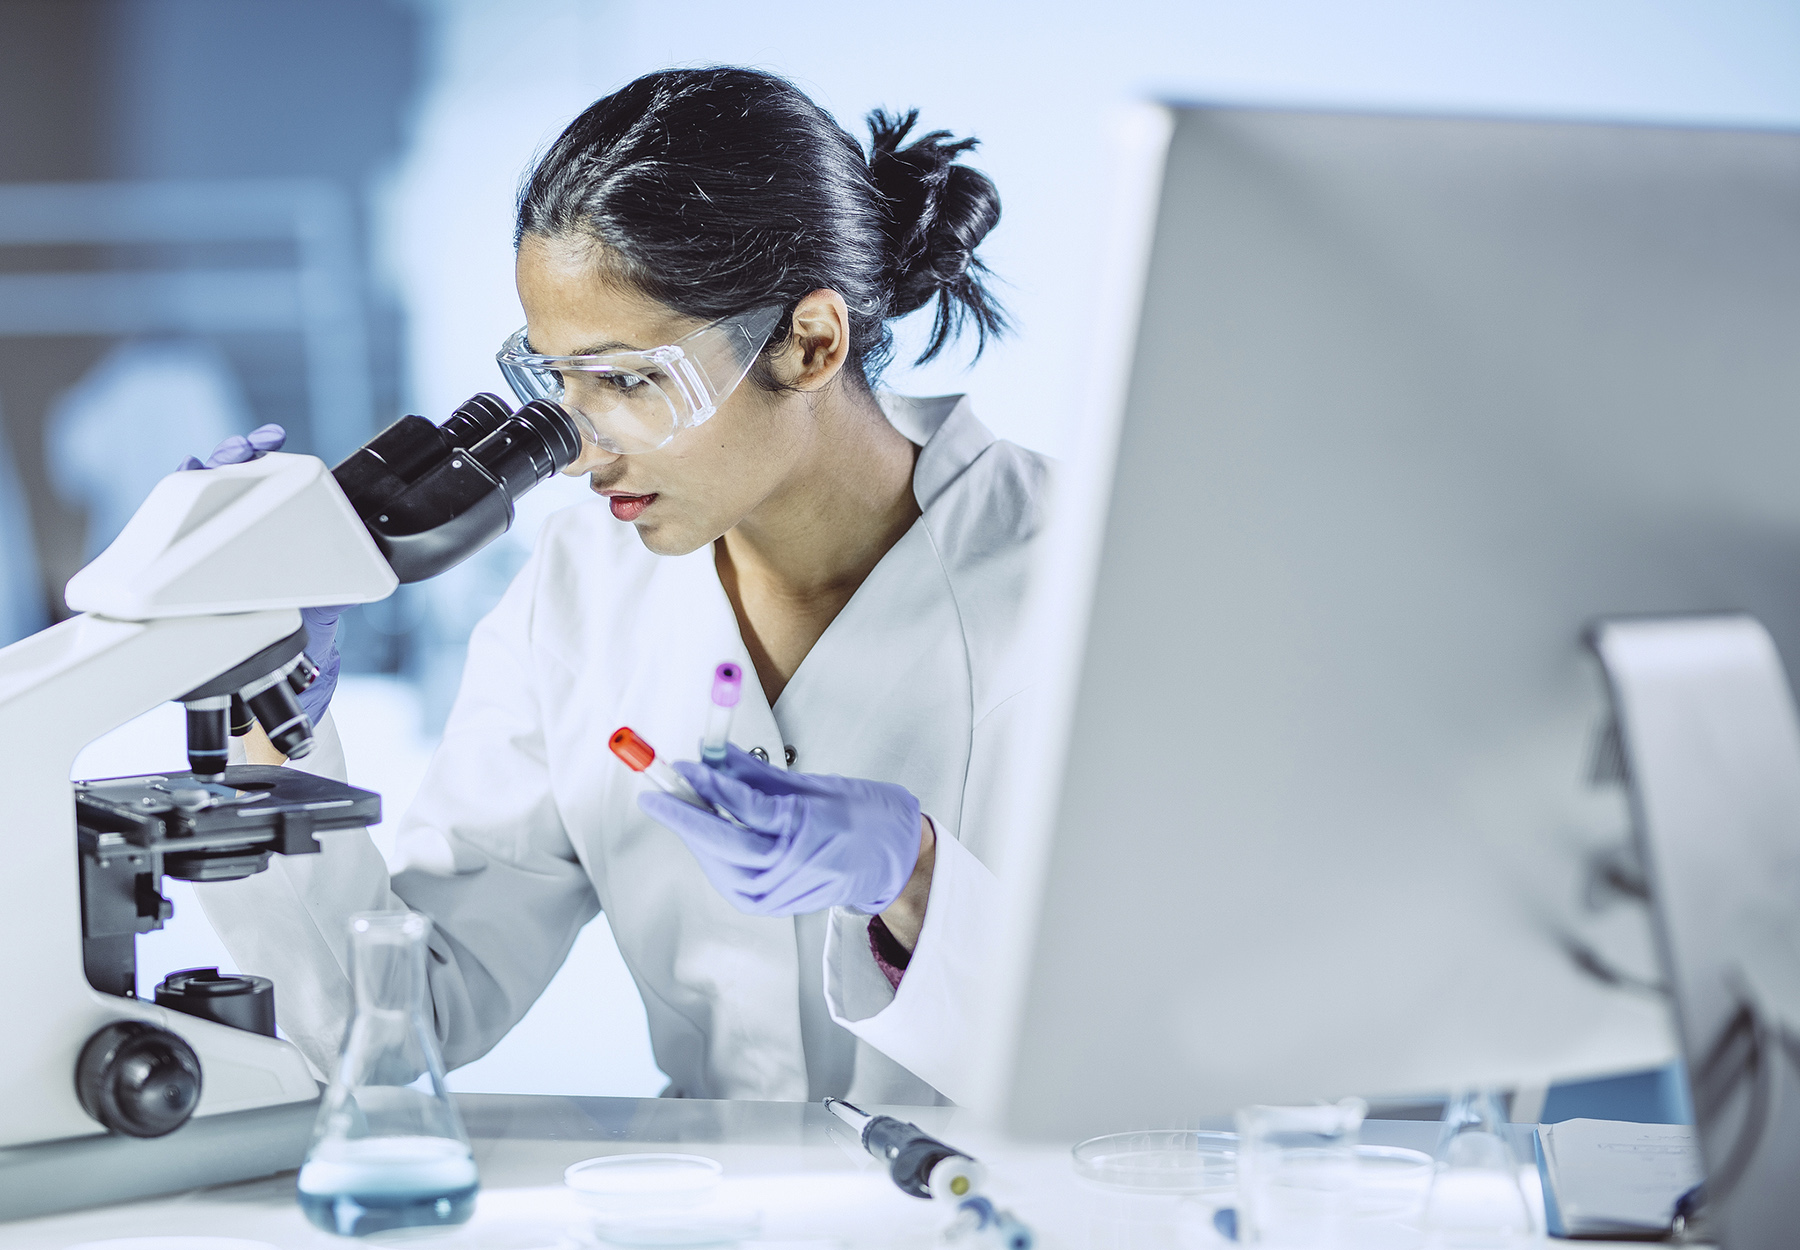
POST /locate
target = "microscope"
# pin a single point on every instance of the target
(196, 601)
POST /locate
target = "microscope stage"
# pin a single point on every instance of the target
(207, 830)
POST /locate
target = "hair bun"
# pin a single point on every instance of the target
(938, 212)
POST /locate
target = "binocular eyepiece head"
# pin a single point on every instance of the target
(433, 495)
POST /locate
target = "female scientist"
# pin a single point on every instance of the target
(863, 555)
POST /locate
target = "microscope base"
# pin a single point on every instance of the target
(51, 1177)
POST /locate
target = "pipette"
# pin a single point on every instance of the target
(919, 1163)
(728, 684)
(640, 757)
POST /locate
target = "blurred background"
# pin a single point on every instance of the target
(216, 213)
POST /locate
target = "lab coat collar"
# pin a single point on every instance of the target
(949, 435)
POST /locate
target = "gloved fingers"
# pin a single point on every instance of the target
(710, 838)
(234, 450)
(266, 438)
(241, 448)
(771, 813)
(321, 631)
(792, 897)
(192, 462)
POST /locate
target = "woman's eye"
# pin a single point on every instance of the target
(625, 383)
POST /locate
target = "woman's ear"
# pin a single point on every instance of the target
(818, 345)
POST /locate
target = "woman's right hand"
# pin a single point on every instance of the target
(321, 623)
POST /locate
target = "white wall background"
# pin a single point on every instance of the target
(1037, 83)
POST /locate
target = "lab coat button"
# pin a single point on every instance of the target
(791, 754)
(760, 754)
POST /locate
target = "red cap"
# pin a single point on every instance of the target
(636, 753)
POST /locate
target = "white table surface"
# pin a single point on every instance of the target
(793, 1162)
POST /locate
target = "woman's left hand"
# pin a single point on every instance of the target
(321, 623)
(808, 841)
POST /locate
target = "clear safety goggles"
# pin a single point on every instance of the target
(629, 402)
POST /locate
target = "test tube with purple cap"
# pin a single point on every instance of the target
(727, 687)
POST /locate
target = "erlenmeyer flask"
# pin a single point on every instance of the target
(1475, 1201)
(389, 1150)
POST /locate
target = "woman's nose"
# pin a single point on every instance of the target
(593, 456)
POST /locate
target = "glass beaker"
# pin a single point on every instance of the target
(389, 1150)
(1296, 1174)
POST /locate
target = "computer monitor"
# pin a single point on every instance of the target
(1320, 805)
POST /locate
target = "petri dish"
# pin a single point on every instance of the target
(1391, 1180)
(1160, 1161)
(644, 1183)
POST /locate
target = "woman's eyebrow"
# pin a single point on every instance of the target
(601, 349)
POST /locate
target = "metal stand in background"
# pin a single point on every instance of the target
(1712, 748)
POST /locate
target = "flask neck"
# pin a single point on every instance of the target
(387, 952)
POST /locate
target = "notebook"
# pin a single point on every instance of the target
(1611, 1178)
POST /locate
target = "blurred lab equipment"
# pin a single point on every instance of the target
(389, 1151)
(980, 1223)
(21, 593)
(1296, 1174)
(1430, 395)
(310, 287)
(1160, 1161)
(917, 1162)
(630, 402)
(660, 1199)
(921, 1165)
(186, 605)
(113, 435)
(638, 1184)
(1475, 1201)
(727, 687)
(1710, 748)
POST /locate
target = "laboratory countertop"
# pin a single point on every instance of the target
(792, 1163)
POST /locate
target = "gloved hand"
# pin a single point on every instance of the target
(321, 623)
(239, 448)
(810, 841)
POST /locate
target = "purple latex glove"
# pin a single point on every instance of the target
(321, 648)
(321, 623)
(810, 841)
(239, 448)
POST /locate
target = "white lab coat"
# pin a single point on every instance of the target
(526, 826)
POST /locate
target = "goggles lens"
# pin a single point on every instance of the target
(633, 402)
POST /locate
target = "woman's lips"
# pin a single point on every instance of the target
(629, 507)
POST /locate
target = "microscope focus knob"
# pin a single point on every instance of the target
(138, 1079)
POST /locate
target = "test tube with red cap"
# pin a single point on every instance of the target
(728, 685)
(640, 757)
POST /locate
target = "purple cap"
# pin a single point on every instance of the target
(728, 683)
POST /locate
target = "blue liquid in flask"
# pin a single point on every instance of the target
(373, 1184)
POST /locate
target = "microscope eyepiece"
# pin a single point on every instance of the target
(433, 495)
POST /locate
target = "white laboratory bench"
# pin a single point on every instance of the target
(793, 1162)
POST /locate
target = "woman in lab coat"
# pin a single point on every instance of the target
(862, 555)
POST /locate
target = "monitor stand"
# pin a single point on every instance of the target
(1711, 748)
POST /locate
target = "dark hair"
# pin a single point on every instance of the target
(715, 191)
